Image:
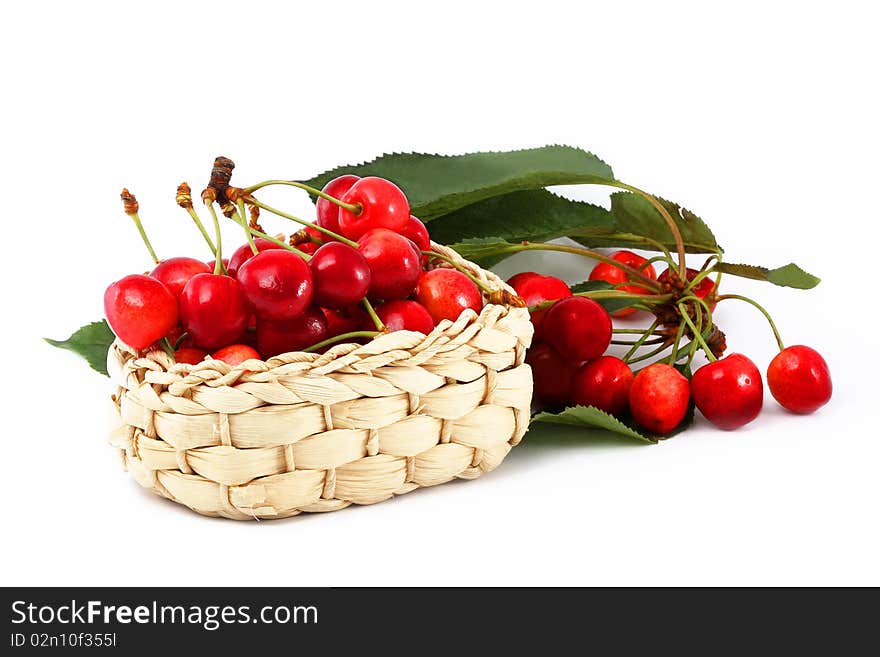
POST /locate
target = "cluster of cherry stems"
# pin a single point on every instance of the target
(366, 266)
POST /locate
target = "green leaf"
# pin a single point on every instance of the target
(593, 418)
(534, 215)
(439, 184)
(92, 342)
(788, 276)
(634, 214)
(611, 305)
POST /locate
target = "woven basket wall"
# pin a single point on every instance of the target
(318, 432)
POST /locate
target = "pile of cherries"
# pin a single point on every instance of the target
(570, 366)
(365, 266)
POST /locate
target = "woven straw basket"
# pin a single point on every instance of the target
(318, 432)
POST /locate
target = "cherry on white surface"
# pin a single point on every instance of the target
(763, 121)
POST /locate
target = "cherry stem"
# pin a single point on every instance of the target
(638, 331)
(673, 357)
(284, 245)
(218, 254)
(137, 222)
(201, 227)
(640, 343)
(676, 233)
(303, 222)
(380, 326)
(607, 294)
(763, 311)
(242, 219)
(480, 284)
(697, 335)
(645, 335)
(703, 273)
(589, 253)
(659, 350)
(166, 345)
(342, 338)
(179, 341)
(355, 208)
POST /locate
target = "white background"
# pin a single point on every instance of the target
(762, 117)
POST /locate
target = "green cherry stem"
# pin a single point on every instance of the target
(676, 343)
(645, 335)
(480, 284)
(635, 274)
(242, 219)
(640, 343)
(697, 335)
(636, 331)
(342, 338)
(763, 311)
(355, 208)
(673, 227)
(166, 345)
(303, 222)
(380, 327)
(655, 352)
(218, 254)
(130, 206)
(201, 227)
(284, 245)
(179, 341)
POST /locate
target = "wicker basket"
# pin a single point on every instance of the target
(318, 432)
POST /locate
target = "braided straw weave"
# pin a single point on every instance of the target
(318, 432)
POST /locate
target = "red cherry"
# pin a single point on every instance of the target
(405, 316)
(347, 320)
(729, 392)
(244, 253)
(799, 379)
(140, 310)
(340, 274)
(603, 383)
(416, 231)
(658, 398)
(607, 272)
(328, 213)
(175, 273)
(704, 289)
(275, 338)
(445, 293)
(236, 354)
(394, 263)
(277, 283)
(535, 289)
(213, 310)
(190, 355)
(578, 328)
(551, 374)
(383, 205)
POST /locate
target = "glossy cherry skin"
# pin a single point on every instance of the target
(175, 273)
(799, 379)
(236, 354)
(729, 392)
(327, 212)
(405, 316)
(277, 284)
(535, 288)
(704, 290)
(340, 274)
(551, 375)
(395, 264)
(244, 253)
(347, 320)
(416, 231)
(213, 310)
(603, 383)
(607, 272)
(659, 397)
(446, 293)
(140, 310)
(275, 338)
(578, 328)
(190, 355)
(382, 205)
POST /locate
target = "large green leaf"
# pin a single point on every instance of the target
(593, 418)
(439, 184)
(611, 305)
(788, 276)
(634, 214)
(92, 342)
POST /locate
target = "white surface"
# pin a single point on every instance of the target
(761, 118)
